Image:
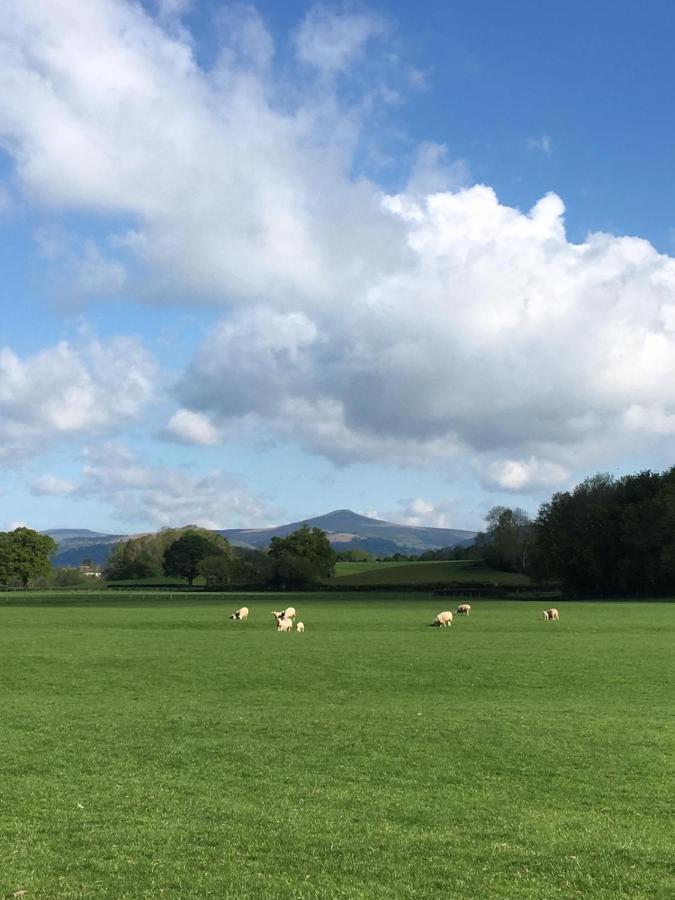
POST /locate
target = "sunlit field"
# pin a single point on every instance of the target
(157, 749)
(434, 572)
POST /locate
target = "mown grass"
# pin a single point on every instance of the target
(160, 750)
(432, 572)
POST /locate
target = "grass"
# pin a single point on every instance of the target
(159, 750)
(432, 572)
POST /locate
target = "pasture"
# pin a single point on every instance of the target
(157, 749)
(373, 574)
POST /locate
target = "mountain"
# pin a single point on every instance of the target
(346, 530)
(74, 545)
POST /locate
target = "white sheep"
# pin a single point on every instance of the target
(284, 625)
(551, 615)
(240, 615)
(443, 619)
(300, 627)
(463, 609)
(289, 612)
(278, 614)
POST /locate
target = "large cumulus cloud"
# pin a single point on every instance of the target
(496, 337)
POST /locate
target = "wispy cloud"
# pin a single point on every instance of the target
(161, 495)
(542, 144)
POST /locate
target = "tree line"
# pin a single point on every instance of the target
(608, 537)
(299, 560)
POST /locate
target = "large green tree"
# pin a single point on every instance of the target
(610, 537)
(25, 554)
(182, 557)
(143, 556)
(507, 539)
(303, 557)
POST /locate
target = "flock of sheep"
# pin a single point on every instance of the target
(285, 618)
(444, 619)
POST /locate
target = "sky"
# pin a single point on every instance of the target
(262, 261)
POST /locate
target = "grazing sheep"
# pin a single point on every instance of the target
(284, 625)
(300, 627)
(463, 609)
(443, 619)
(551, 615)
(240, 615)
(289, 612)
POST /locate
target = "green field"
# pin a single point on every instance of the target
(372, 574)
(157, 749)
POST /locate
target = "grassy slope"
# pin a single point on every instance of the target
(161, 750)
(422, 573)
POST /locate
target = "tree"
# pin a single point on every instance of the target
(252, 568)
(508, 538)
(143, 557)
(183, 556)
(68, 577)
(216, 569)
(610, 537)
(355, 555)
(303, 557)
(25, 554)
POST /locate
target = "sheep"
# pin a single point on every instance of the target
(551, 615)
(240, 615)
(300, 627)
(443, 619)
(284, 625)
(278, 614)
(463, 609)
(289, 612)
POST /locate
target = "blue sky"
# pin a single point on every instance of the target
(261, 261)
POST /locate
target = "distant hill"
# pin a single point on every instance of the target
(346, 530)
(77, 544)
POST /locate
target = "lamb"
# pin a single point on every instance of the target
(278, 614)
(443, 619)
(463, 609)
(551, 615)
(240, 615)
(284, 625)
(300, 627)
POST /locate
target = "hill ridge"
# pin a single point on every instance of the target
(346, 530)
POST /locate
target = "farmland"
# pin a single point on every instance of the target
(157, 749)
(436, 572)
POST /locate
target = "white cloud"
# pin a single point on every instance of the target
(165, 496)
(187, 427)
(50, 485)
(495, 337)
(238, 183)
(433, 172)
(409, 328)
(330, 41)
(542, 144)
(171, 9)
(418, 511)
(524, 475)
(67, 391)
